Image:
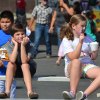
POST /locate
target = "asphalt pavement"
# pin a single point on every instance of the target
(49, 80)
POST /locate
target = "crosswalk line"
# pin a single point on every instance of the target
(52, 78)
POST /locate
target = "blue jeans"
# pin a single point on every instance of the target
(13, 88)
(58, 35)
(42, 30)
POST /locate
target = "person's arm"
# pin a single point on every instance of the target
(76, 53)
(69, 10)
(30, 24)
(13, 55)
(53, 21)
(24, 56)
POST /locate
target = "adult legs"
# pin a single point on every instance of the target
(38, 32)
(47, 39)
(58, 35)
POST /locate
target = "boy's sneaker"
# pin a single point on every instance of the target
(68, 95)
(81, 96)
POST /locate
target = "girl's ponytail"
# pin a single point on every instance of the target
(66, 31)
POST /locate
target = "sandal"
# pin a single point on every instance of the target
(4, 95)
(33, 95)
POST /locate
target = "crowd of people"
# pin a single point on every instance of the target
(75, 29)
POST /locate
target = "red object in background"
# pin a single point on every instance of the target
(20, 4)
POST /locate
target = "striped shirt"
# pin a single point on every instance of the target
(42, 13)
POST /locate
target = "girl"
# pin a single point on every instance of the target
(19, 57)
(78, 58)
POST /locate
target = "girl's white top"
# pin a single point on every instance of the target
(70, 46)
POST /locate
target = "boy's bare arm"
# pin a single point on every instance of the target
(14, 53)
(24, 56)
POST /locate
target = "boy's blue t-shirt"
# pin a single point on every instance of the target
(4, 38)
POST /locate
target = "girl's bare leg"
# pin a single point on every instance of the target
(75, 73)
(10, 72)
(93, 73)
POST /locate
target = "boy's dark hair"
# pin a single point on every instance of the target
(7, 14)
(17, 27)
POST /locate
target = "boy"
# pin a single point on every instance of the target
(19, 56)
(41, 14)
(6, 21)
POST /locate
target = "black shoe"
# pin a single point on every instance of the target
(33, 95)
(4, 95)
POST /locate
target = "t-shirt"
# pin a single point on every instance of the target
(70, 46)
(4, 38)
(29, 51)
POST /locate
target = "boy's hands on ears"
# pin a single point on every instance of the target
(15, 43)
(25, 41)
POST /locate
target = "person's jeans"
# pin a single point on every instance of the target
(13, 88)
(58, 35)
(42, 30)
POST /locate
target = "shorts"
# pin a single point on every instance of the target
(33, 67)
(86, 68)
(66, 70)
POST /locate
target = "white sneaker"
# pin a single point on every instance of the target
(68, 95)
(80, 96)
